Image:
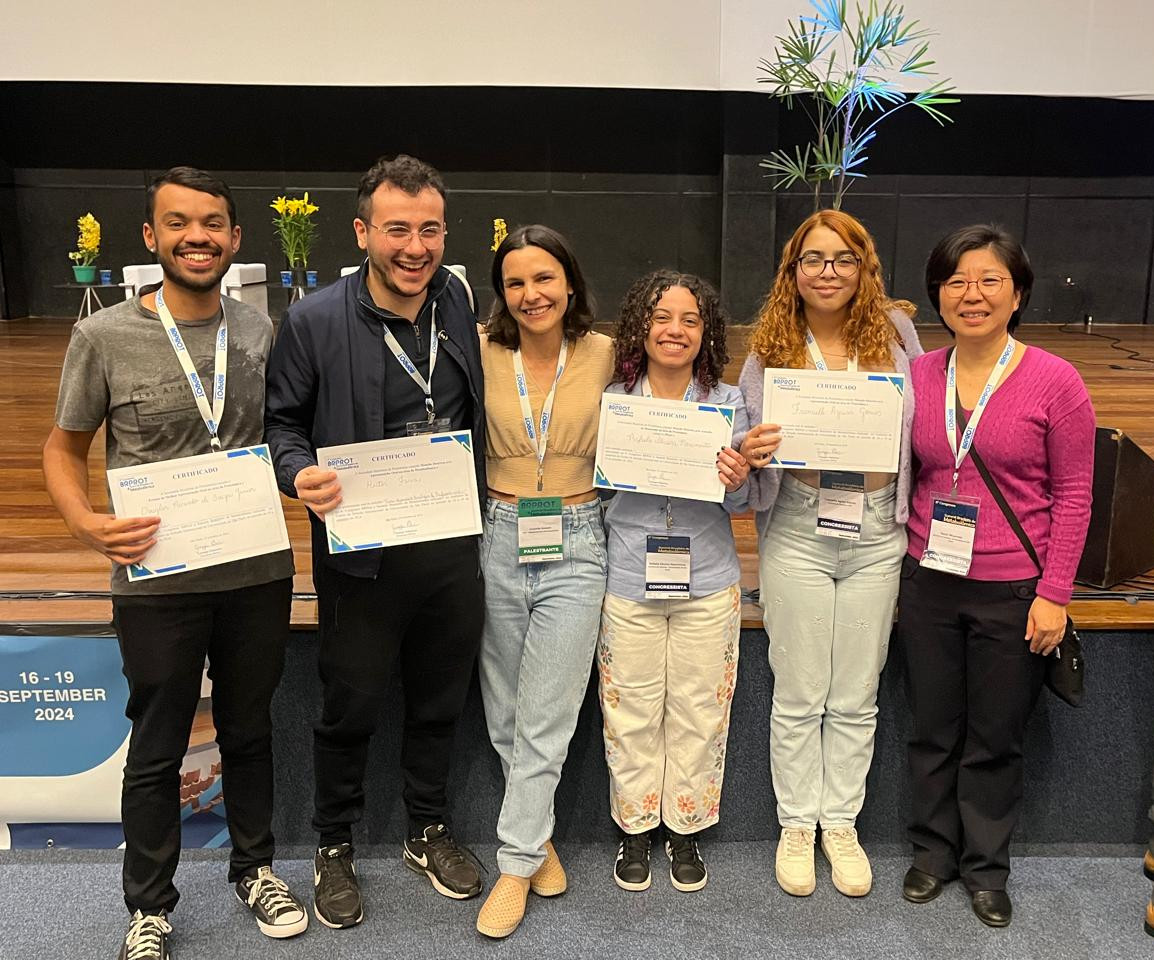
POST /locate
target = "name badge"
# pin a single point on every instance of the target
(666, 568)
(950, 545)
(840, 504)
(414, 428)
(539, 530)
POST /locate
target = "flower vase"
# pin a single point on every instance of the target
(299, 278)
(84, 273)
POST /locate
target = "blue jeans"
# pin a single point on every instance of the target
(541, 622)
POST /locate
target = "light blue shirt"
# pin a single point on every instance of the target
(631, 517)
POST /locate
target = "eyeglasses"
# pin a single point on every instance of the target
(844, 264)
(988, 286)
(399, 236)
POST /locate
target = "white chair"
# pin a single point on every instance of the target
(136, 275)
(246, 282)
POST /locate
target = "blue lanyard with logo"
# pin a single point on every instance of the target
(210, 415)
(960, 450)
(411, 369)
(539, 438)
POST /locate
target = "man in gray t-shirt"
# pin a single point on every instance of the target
(122, 371)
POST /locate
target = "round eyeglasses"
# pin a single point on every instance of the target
(844, 264)
(988, 286)
(399, 236)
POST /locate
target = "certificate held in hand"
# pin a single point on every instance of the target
(666, 447)
(835, 421)
(214, 508)
(405, 490)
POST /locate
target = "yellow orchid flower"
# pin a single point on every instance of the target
(500, 232)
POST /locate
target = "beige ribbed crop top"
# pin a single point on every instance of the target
(510, 462)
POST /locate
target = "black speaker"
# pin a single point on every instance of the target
(1120, 541)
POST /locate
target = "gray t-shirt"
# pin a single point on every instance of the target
(121, 370)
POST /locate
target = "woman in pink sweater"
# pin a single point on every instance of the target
(974, 617)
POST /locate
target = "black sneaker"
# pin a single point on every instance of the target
(336, 896)
(686, 868)
(451, 869)
(278, 913)
(631, 871)
(147, 937)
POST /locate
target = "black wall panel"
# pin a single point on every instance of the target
(637, 178)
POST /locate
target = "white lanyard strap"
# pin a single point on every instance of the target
(539, 438)
(210, 415)
(819, 360)
(410, 368)
(961, 449)
(690, 391)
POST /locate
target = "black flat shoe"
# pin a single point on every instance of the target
(920, 887)
(993, 907)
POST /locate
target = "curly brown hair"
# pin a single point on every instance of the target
(779, 338)
(630, 359)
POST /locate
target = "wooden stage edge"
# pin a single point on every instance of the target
(39, 561)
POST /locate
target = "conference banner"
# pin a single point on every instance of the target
(64, 740)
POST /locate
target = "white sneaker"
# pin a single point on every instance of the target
(851, 867)
(794, 864)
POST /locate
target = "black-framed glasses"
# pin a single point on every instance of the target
(989, 286)
(432, 235)
(845, 265)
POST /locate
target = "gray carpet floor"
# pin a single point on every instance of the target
(66, 906)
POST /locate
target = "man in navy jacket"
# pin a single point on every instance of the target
(338, 375)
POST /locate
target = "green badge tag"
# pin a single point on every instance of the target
(538, 529)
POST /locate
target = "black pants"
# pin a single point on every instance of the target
(973, 685)
(424, 609)
(164, 641)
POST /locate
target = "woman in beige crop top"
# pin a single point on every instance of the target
(545, 573)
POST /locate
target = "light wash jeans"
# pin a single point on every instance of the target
(829, 609)
(541, 622)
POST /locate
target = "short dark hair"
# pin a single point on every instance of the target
(403, 172)
(630, 359)
(944, 259)
(194, 179)
(578, 320)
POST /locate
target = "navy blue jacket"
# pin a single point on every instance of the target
(326, 385)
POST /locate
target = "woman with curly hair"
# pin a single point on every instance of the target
(545, 370)
(828, 596)
(667, 653)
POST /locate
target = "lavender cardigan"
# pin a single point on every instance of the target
(764, 484)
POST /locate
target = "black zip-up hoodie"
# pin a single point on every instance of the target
(326, 385)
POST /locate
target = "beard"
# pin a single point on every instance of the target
(197, 283)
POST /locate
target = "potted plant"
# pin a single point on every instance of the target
(296, 232)
(87, 249)
(845, 75)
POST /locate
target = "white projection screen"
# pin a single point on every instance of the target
(1042, 47)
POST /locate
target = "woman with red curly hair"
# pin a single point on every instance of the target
(828, 598)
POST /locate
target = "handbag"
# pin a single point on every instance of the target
(1066, 666)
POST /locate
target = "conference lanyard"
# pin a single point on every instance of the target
(410, 368)
(961, 449)
(539, 439)
(646, 391)
(210, 415)
(819, 360)
(690, 391)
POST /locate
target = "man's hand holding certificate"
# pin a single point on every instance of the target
(213, 509)
(405, 490)
(835, 421)
(666, 447)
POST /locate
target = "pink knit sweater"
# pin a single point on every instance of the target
(1037, 439)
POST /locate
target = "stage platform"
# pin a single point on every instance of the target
(39, 560)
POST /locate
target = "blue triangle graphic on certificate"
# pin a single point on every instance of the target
(337, 545)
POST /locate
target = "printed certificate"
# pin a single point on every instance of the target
(406, 490)
(835, 421)
(213, 509)
(667, 447)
